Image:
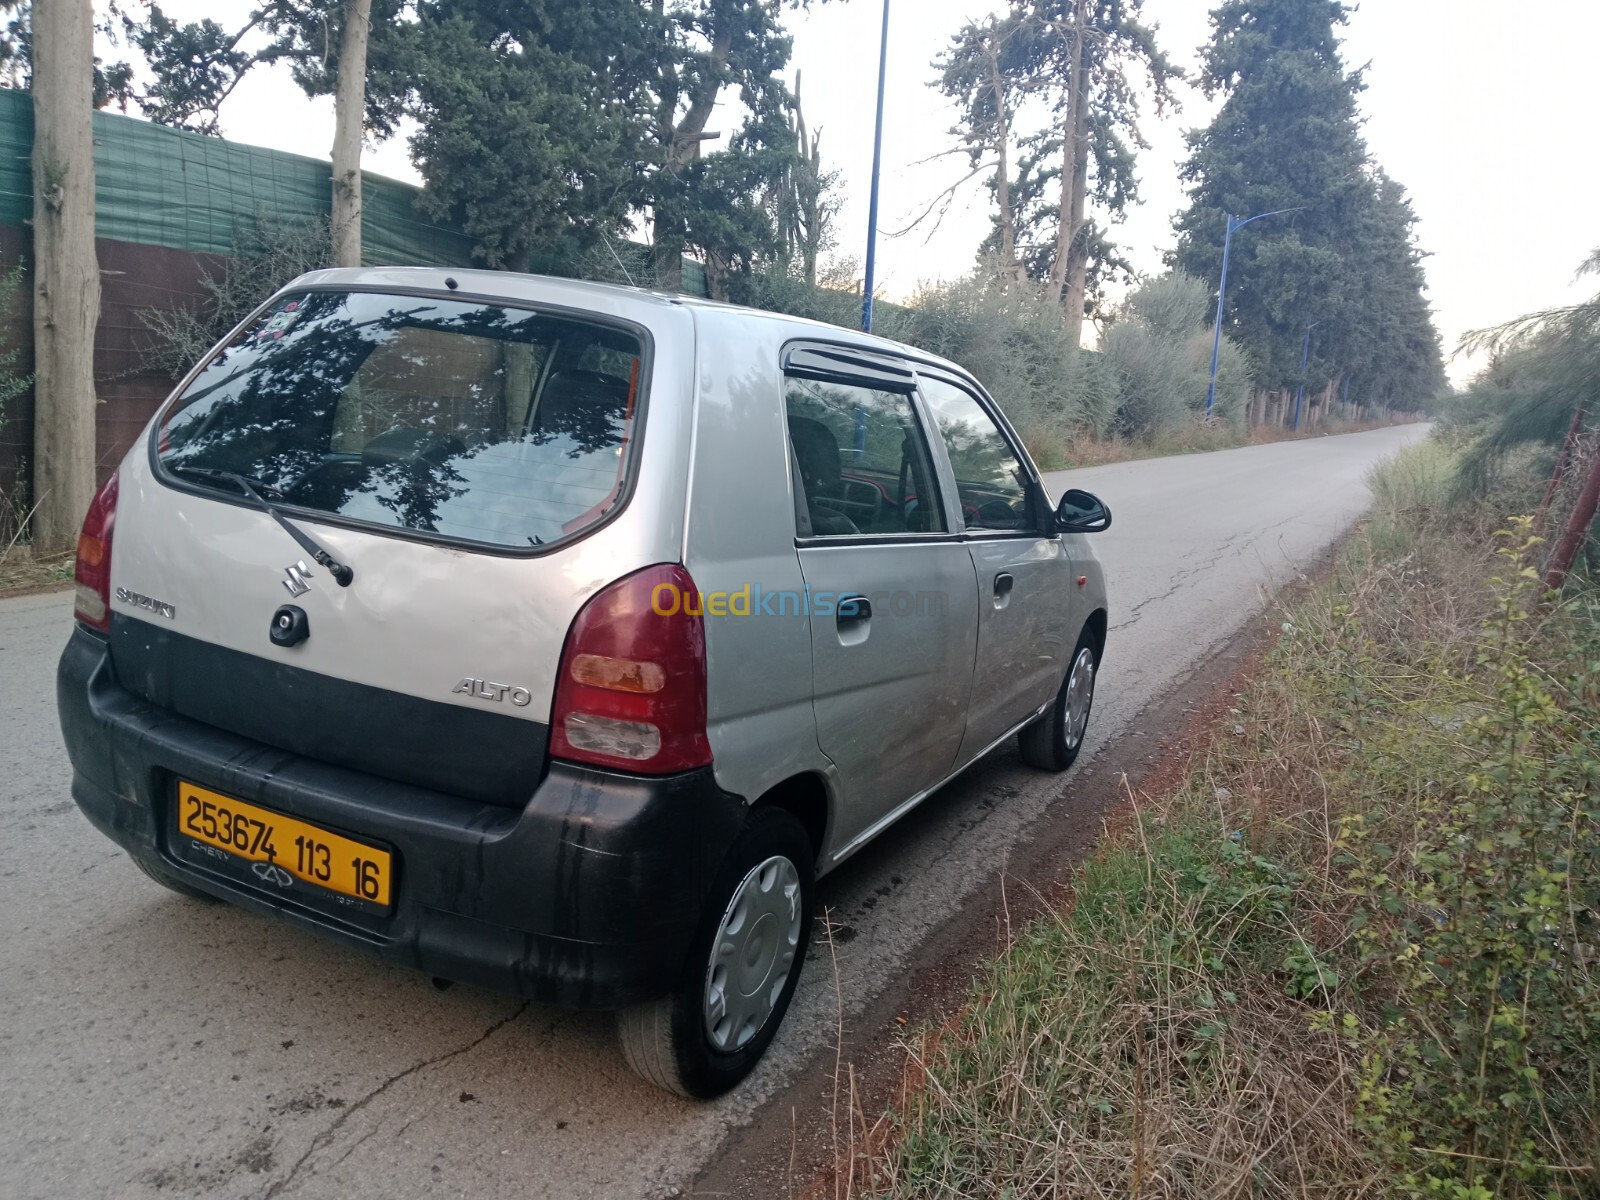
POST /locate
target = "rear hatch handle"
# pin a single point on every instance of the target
(342, 573)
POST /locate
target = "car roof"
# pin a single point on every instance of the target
(512, 285)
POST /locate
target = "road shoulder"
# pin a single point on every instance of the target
(793, 1141)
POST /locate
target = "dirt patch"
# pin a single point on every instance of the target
(204, 1177)
(312, 1100)
(21, 574)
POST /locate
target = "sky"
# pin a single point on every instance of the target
(1485, 120)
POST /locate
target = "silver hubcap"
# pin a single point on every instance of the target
(1080, 691)
(753, 953)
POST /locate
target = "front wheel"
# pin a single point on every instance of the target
(719, 1019)
(1052, 742)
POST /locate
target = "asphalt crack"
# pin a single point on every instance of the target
(324, 1139)
(1178, 580)
(1250, 536)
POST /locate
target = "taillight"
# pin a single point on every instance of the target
(631, 691)
(93, 603)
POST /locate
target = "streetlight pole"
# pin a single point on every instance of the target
(1234, 225)
(877, 162)
(1305, 357)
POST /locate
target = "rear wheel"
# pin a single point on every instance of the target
(742, 969)
(1052, 742)
(171, 883)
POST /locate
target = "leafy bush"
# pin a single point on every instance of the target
(1149, 380)
(1545, 366)
(1477, 909)
(835, 300)
(1013, 341)
(1158, 346)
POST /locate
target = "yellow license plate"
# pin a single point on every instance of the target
(305, 851)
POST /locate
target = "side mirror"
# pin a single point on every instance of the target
(1082, 512)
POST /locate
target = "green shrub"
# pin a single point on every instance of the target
(1477, 910)
(1148, 380)
(1158, 346)
(1013, 341)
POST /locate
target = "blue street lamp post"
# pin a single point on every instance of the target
(1234, 225)
(877, 162)
(1305, 357)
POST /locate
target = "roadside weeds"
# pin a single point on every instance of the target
(1349, 955)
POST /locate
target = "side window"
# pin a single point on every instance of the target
(860, 461)
(989, 479)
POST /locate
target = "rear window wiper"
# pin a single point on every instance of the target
(342, 574)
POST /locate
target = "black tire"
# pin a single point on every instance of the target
(1053, 741)
(171, 883)
(669, 1041)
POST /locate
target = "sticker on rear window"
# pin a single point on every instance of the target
(279, 322)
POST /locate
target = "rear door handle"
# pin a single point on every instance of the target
(852, 607)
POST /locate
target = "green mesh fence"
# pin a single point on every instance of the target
(158, 186)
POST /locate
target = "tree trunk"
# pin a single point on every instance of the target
(716, 277)
(680, 148)
(66, 276)
(349, 104)
(1078, 251)
(1561, 469)
(1577, 525)
(808, 192)
(1066, 232)
(1010, 268)
(666, 245)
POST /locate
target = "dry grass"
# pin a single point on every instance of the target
(1266, 985)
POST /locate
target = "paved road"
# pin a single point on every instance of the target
(151, 1046)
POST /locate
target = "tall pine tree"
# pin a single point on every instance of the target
(705, 50)
(1094, 58)
(1087, 63)
(1344, 264)
(533, 122)
(1396, 360)
(549, 127)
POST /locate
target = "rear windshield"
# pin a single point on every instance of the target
(463, 420)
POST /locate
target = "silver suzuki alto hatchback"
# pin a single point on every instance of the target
(557, 637)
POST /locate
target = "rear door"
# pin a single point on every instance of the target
(1023, 570)
(890, 587)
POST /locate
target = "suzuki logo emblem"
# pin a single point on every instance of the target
(298, 582)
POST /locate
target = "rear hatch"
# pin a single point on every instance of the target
(454, 454)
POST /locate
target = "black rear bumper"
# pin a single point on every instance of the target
(587, 896)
